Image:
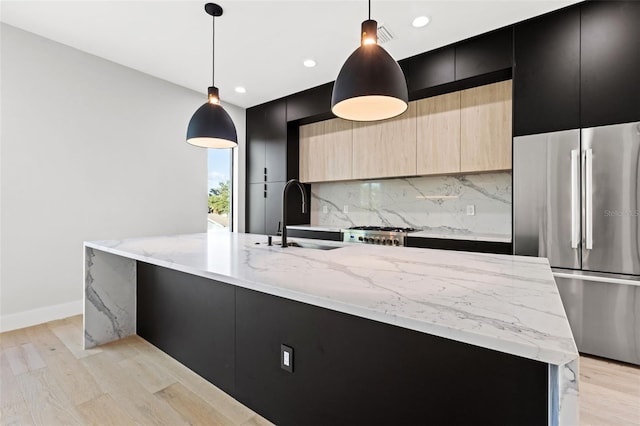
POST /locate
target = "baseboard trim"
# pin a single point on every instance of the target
(39, 316)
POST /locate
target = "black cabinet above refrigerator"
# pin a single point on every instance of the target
(610, 62)
(546, 82)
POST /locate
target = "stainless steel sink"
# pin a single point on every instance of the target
(311, 246)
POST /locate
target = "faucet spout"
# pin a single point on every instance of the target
(285, 191)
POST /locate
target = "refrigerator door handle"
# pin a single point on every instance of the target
(575, 198)
(588, 207)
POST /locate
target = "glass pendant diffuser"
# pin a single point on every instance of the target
(211, 126)
(371, 85)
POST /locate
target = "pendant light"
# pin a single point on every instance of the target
(211, 126)
(370, 85)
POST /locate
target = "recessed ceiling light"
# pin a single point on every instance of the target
(309, 63)
(420, 21)
(241, 89)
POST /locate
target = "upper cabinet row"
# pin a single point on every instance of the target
(577, 67)
(460, 132)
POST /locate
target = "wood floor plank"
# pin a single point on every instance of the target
(257, 420)
(32, 357)
(104, 411)
(17, 361)
(45, 399)
(221, 401)
(130, 395)
(191, 407)
(77, 383)
(72, 338)
(13, 407)
(13, 338)
(624, 378)
(604, 406)
(147, 373)
(45, 341)
(121, 349)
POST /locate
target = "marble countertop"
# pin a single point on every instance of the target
(449, 234)
(505, 303)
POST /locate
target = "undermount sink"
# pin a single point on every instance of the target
(311, 246)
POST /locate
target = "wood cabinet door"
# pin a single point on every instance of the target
(385, 148)
(326, 150)
(438, 134)
(485, 132)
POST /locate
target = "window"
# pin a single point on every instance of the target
(219, 176)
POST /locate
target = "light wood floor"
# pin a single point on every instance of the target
(46, 378)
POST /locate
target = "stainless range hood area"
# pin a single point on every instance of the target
(577, 202)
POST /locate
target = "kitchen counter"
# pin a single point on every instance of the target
(503, 312)
(505, 303)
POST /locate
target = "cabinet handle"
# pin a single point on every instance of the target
(588, 208)
(575, 200)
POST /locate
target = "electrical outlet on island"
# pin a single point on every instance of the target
(471, 210)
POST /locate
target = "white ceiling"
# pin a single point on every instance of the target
(259, 44)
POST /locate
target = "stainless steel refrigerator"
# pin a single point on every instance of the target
(577, 202)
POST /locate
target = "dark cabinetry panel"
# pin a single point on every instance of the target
(484, 54)
(610, 62)
(349, 370)
(255, 144)
(191, 318)
(264, 207)
(461, 245)
(267, 142)
(273, 207)
(429, 69)
(310, 103)
(276, 141)
(256, 202)
(547, 73)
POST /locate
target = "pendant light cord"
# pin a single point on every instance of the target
(369, 9)
(213, 55)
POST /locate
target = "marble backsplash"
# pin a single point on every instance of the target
(426, 202)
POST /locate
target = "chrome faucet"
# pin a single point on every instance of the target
(284, 206)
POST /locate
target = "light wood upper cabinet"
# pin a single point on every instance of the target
(460, 132)
(485, 142)
(438, 127)
(385, 148)
(326, 151)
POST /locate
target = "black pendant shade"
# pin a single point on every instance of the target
(211, 126)
(371, 85)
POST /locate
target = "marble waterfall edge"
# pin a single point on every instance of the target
(426, 202)
(110, 297)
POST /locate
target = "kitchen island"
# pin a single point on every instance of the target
(378, 333)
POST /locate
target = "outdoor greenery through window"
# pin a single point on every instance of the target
(219, 218)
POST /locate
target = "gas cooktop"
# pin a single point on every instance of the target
(382, 235)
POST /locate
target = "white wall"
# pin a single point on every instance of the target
(238, 115)
(90, 150)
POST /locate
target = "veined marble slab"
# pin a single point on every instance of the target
(505, 303)
(431, 203)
